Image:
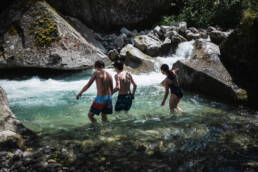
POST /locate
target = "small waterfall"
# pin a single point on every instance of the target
(184, 51)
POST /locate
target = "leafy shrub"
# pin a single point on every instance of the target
(202, 13)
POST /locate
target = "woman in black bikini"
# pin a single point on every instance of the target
(171, 83)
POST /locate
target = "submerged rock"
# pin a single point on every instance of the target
(206, 74)
(43, 39)
(137, 60)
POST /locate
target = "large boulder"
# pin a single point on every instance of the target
(217, 36)
(239, 54)
(136, 59)
(206, 74)
(12, 131)
(206, 50)
(41, 38)
(147, 44)
(111, 14)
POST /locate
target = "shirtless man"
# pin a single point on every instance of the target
(123, 83)
(103, 102)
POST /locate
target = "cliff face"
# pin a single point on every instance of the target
(108, 14)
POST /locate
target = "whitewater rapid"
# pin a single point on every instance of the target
(42, 88)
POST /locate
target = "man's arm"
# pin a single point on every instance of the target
(175, 70)
(87, 85)
(117, 88)
(166, 94)
(134, 85)
(111, 84)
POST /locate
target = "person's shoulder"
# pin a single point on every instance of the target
(128, 74)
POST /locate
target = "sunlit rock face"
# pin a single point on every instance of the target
(108, 14)
(205, 74)
(12, 132)
(41, 38)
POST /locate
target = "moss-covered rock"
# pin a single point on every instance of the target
(44, 29)
(40, 38)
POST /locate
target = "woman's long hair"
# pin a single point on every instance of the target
(170, 74)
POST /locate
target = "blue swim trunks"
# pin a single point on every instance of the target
(102, 104)
(124, 102)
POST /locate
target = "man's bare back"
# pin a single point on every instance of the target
(125, 81)
(104, 83)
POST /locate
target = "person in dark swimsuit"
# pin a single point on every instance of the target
(171, 82)
(123, 82)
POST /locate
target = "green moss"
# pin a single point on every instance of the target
(44, 30)
(12, 30)
(242, 94)
(248, 19)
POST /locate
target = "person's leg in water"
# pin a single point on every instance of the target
(177, 100)
(104, 118)
(91, 117)
(172, 103)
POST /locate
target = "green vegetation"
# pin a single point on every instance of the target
(202, 13)
(250, 14)
(1, 52)
(45, 30)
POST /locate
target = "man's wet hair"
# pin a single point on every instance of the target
(99, 64)
(119, 65)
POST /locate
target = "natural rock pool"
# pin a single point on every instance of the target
(209, 134)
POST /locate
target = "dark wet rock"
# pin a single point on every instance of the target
(239, 54)
(136, 60)
(217, 36)
(47, 41)
(110, 14)
(207, 75)
(113, 54)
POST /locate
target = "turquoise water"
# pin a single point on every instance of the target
(207, 128)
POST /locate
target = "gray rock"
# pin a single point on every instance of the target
(217, 36)
(126, 31)
(12, 133)
(175, 38)
(206, 50)
(48, 41)
(92, 37)
(120, 41)
(210, 78)
(148, 44)
(136, 60)
(193, 29)
(192, 36)
(9, 139)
